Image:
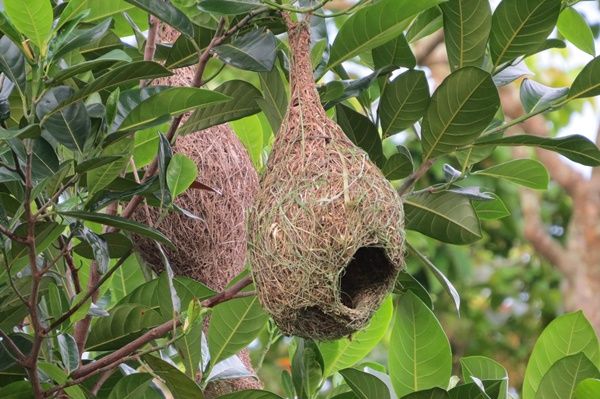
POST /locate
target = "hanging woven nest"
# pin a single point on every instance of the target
(326, 234)
(213, 249)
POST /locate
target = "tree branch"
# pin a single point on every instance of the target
(157, 332)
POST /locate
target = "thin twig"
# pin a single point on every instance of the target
(12, 347)
(150, 48)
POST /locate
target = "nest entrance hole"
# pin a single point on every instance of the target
(368, 270)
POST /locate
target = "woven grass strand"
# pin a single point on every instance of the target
(326, 234)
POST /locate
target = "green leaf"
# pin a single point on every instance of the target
(575, 147)
(124, 324)
(228, 7)
(405, 282)
(476, 390)
(102, 63)
(100, 177)
(395, 52)
(190, 348)
(134, 386)
(588, 389)
(403, 102)
(433, 393)
(250, 131)
(126, 278)
(181, 173)
(118, 246)
(233, 325)
(179, 384)
(536, 96)
(71, 125)
(526, 172)
(373, 26)
(120, 223)
(167, 13)
(419, 355)
(251, 394)
(576, 30)
(491, 210)
(566, 335)
(78, 39)
(45, 234)
(122, 74)
(28, 132)
(399, 165)
(275, 96)
(445, 216)
(172, 101)
(467, 25)
(94, 163)
(254, 51)
(184, 51)
(98, 246)
(484, 368)
(9, 30)
(307, 368)
(564, 375)
(360, 130)
(439, 276)
(587, 83)
(17, 390)
(68, 352)
(12, 63)
(519, 26)
(460, 109)
(365, 385)
(33, 18)
(344, 352)
(425, 24)
(244, 103)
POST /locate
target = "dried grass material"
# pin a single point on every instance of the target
(211, 250)
(327, 233)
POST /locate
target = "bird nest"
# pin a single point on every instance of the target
(211, 249)
(326, 233)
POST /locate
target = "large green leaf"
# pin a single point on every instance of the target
(275, 96)
(564, 375)
(445, 216)
(395, 52)
(433, 393)
(12, 63)
(228, 7)
(120, 223)
(588, 389)
(566, 335)
(345, 352)
(9, 29)
(460, 109)
(122, 74)
(78, 38)
(307, 368)
(234, 324)
(467, 25)
(484, 368)
(181, 173)
(398, 165)
(100, 177)
(419, 355)
(491, 210)
(587, 83)
(134, 386)
(519, 26)
(576, 30)
(251, 132)
(403, 102)
(575, 147)
(179, 384)
(171, 101)
(526, 172)
(70, 125)
(374, 25)
(102, 63)
(244, 103)
(167, 13)
(254, 51)
(33, 18)
(125, 323)
(360, 130)
(365, 385)
(487, 389)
